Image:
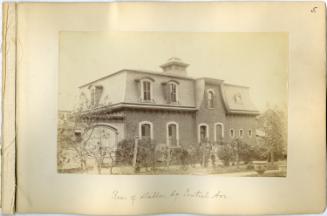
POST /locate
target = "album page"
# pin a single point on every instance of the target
(171, 107)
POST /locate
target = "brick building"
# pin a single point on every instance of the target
(169, 106)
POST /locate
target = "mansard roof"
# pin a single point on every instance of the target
(237, 99)
(155, 73)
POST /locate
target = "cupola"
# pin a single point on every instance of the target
(175, 66)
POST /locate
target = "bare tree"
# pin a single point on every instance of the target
(84, 136)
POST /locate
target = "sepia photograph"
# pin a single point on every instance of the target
(173, 103)
(134, 108)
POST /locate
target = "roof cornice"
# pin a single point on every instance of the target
(143, 106)
(173, 76)
(243, 112)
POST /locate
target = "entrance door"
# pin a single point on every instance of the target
(203, 133)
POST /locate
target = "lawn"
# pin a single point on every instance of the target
(234, 170)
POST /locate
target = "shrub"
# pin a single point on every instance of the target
(146, 153)
(193, 154)
(260, 151)
(125, 150)
(146, 156)
(245, 151)
(237, 150)
(226, 154)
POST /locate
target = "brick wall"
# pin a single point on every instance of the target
(159, 119)
(237, 122)
(218, 114)
(211, 116)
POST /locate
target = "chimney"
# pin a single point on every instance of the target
(175, 66)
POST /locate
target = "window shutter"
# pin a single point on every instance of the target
(92, 97)
(98, 93)
(138, 88)
(166, 90)
(207, 99)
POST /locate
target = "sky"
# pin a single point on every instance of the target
(257, 60)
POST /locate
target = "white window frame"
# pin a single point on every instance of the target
(215, 131)
(176, 84)
(230, 130)
(177, 131)
(199, 132)
(140, 128)
(250, 134)
(142, 89)
(213, 98)
(239, 133)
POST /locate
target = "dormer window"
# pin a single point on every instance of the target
(211, 97)
(238, 98)
(146, 90)
(173, 92)
(96, 92)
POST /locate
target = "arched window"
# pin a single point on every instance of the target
(203, 132)
(172, 134)
(145, 130)
(171, 91)
(219, 131)
(211, 96)
(145, 84)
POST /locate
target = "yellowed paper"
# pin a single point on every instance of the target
(8, 170)
(42, 189)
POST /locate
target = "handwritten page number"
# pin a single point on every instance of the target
(314, 10)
